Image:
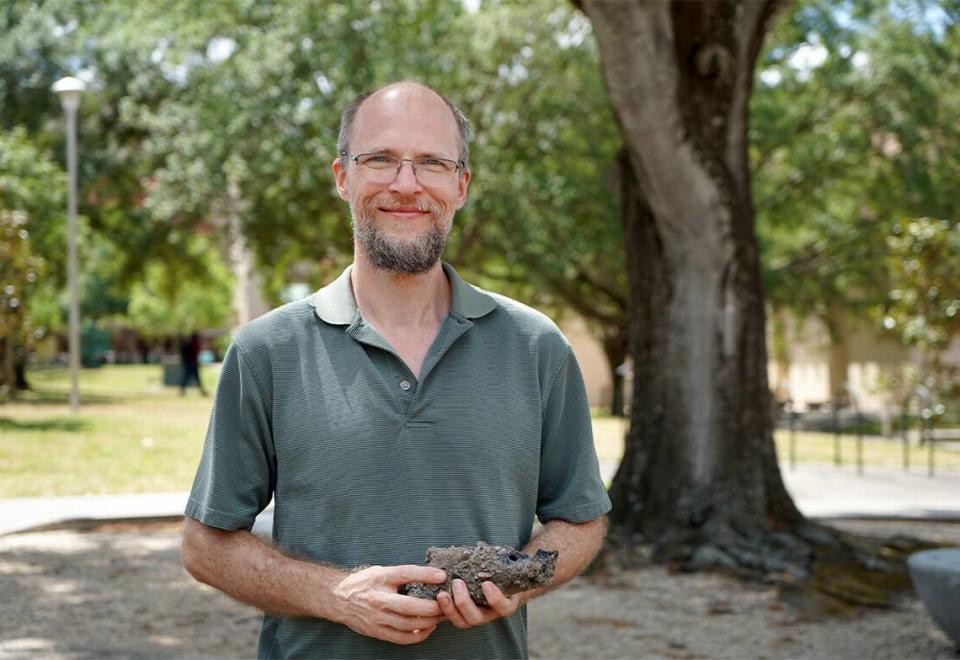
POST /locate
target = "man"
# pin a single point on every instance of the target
(397, 408)
(190, 363)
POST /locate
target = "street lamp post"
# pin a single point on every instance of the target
(69, 90)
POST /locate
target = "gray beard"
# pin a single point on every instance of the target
(409, 257)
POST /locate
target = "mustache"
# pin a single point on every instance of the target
(393, 203)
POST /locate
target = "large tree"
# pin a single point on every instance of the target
(699, 475)
(31, 238)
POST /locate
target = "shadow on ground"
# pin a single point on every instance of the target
(71, 424)
(43, 397)
(119, 592)
(67, 594)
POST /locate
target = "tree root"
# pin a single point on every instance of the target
(819, 570)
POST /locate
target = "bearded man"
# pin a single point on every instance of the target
(395, 409)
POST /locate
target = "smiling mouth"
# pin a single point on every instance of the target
(404, 212)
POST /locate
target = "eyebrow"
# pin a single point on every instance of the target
(393, 152)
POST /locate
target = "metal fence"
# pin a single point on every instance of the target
(918, 417)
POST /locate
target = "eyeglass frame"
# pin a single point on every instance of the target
(458, 165)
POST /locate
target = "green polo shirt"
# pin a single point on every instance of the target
(366, 464)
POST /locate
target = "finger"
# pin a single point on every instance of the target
(498, 601)
(395, 636)
(407, 623)
(411, 606)
(450, 610)
(407, 573)
(465, 604)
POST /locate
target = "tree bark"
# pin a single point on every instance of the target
(699, 477)
(9, 376)
(838, 332)
(779, 321)
(20, 371)
(615, 348)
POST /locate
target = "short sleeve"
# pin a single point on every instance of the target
(237, 473)
(570, 485)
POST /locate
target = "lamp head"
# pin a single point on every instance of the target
(69, 90)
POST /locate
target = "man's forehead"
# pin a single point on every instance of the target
(403, 108)
(405, 94)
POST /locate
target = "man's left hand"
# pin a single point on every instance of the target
(464, 613)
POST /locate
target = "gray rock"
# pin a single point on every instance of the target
(936, 578)
(509, 569)
(708, 556)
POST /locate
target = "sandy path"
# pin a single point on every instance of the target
(117, 594)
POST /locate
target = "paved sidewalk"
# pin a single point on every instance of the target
(831, 491)
(819, 490)
(828, 491)
(20, 513)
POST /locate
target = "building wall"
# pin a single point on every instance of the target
(860, 361)
(952, 355)
(593, 361)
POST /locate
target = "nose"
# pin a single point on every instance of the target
(406, 180)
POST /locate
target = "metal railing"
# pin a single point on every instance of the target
(921, 395)
(918, 407)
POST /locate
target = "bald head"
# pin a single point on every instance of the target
(397, 96)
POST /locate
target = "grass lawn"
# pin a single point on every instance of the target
(877, 451)
(133, 435)
(608, 435)
(810, 448)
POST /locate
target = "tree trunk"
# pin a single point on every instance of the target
(248, 301)
(780, 349)
(9, 375)
(20, 370)
(699, 477)
(615, 348)
(838, 332)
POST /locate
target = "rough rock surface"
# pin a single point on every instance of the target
(508, 568)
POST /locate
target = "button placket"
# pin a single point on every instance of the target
(451, 332)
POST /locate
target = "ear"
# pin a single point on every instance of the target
(340, 176)
(463, 184)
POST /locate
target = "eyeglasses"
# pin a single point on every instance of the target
(429, 170)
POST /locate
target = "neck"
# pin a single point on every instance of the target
(396, 300)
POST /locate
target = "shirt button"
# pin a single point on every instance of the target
(404, 385)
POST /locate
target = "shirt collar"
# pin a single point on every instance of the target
(336, 304)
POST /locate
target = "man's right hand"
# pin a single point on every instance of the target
(368, 603)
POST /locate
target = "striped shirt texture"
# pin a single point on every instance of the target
(367, 464)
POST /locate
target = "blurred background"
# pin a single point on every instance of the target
(206, 133)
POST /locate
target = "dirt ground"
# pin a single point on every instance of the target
(119, 592)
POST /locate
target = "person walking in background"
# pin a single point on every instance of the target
(190, 363)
